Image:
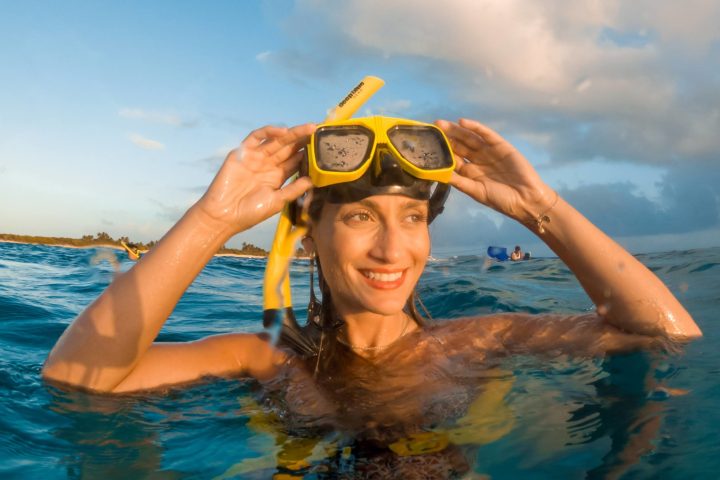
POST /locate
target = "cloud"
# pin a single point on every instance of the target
(579, 83)
(689, 201)
(301, 64)
(156, 117)
(688, 206)
(393, 108)
(615, 80)
(145, 143)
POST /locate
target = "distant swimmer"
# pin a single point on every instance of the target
(132, 250)
(517, 254)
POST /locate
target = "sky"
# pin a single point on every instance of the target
(114, 116)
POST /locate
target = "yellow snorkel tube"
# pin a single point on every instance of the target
(277, 298)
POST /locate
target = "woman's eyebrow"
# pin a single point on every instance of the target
(415, 203)
(410, 203)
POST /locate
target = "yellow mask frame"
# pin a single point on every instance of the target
(402, 137)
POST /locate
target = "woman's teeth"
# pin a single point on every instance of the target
(382, 277)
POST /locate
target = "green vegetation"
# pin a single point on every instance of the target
(103, 239)
(247, 249)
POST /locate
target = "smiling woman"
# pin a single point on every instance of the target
(373, 366)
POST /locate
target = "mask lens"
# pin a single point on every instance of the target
(342, 149)
(422, 146)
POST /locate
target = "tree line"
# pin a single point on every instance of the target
(105, 239)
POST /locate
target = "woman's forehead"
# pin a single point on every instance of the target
(379, 202)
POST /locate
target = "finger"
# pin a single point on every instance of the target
(460, 161)
(476, 156)
(461, 150)
(291, 140)
(472, 171)
(294, 141)
(487, 133)
(259, 136)
(470, 187)
(294, 189)
(291, 165)
(461, 134)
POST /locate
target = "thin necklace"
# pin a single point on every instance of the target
(377, 347)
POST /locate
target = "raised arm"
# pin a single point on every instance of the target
(110, 345)
(627, 295)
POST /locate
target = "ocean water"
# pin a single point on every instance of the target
(640, 415)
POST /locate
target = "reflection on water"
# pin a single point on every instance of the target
(643, 415)
(547, 418)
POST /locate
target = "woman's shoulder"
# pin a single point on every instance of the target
(225, 355)
(497, 331)
(580, 333)
(480, 323)
(479, 332)
(254, 353)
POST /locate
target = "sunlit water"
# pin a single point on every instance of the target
(638, 415)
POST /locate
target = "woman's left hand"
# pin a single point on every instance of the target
(493, 172)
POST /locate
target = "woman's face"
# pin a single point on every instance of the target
(372, 251)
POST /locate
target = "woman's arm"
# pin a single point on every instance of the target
(112, 337)
(627, 295)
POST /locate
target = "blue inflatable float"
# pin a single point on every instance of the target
(498, 253)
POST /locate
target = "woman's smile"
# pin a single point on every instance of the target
(384, 279)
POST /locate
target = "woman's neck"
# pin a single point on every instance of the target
(369, 332)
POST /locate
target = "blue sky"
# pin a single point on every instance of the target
(115, 115)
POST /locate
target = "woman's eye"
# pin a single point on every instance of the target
(358, 217)
(417, 218)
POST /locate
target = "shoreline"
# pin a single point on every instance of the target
(120, 248)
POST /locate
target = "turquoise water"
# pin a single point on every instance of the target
(640, 415)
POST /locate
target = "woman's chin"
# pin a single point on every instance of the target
(385, 307)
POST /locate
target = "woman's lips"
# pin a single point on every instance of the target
(384, 279)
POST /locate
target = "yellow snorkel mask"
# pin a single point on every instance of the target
(351, 159)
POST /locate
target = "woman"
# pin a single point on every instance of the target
(372, 252)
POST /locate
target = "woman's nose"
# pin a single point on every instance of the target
(388, 245)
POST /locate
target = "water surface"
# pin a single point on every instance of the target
(640, 415)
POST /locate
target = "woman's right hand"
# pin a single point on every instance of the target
(248, 188)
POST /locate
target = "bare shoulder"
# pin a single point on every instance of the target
(580, 334)
(226, 355)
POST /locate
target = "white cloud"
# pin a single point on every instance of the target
(155, 117)
(263, 56)
(640, 74)
(395, 107)
(634, 83)
(146, 143)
